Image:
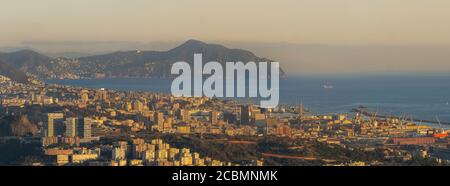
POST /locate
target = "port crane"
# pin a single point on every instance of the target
(373, 119)
(401, 119)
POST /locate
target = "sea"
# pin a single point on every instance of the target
(424, 97)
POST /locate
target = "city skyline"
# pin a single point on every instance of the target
(224, 83)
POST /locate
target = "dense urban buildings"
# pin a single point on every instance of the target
(64, 125)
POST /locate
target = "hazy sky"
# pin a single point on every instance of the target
(341, 22)
(306, 36)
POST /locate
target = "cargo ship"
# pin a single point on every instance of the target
(327, 86)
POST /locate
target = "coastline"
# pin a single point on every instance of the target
(162, 85)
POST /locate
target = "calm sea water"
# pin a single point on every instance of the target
(423, 97)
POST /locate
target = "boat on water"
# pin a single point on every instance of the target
(328, 86)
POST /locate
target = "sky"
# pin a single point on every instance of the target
(296, 21)
(423, 23)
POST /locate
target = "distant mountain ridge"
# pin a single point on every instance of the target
(23, 59)
(12, 73)
(124, 63)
